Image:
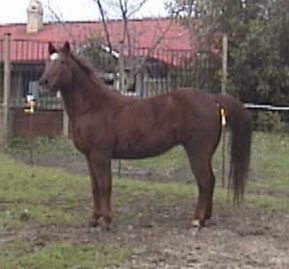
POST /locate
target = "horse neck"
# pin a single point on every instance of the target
(83, 95)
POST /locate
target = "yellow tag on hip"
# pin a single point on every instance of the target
(223, 117)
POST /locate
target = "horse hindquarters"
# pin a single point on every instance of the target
(200, 150)
(202, 170)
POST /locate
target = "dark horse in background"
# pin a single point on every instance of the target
(107, 125)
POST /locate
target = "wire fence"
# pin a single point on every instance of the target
(149, 72)
(158, 70)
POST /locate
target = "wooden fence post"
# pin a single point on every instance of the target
(121, 71)
(7, 87)
(121, 88)
(65, 124)
(224, 90)
(224, 63)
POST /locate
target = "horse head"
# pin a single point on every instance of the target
(58, 73)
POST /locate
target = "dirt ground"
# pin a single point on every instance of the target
(234, 238)
(249, 239)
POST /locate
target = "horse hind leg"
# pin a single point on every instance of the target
(200, 162)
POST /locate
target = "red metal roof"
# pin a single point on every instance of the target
(145, 33)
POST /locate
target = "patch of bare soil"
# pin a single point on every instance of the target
(162, 238)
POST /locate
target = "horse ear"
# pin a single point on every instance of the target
(66, 48)
(51, 48)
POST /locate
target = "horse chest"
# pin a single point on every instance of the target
(88, 135)
(78, 139)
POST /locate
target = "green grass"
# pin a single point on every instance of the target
(41, 144)
(57, 255)
(269, 167)
(32, 196)
(41, 197)
(270, 156)
(39, 194)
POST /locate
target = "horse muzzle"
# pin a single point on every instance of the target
(45, 86)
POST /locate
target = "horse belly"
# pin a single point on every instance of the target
(142, 145)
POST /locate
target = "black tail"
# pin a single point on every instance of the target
(240, 122)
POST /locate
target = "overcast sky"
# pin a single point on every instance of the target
(14, 11)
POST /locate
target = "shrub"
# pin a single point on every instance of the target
(269, 121)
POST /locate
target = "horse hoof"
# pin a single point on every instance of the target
(196, 223)
(93, 223)
(107, 227)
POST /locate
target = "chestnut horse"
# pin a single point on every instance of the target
(107, 125)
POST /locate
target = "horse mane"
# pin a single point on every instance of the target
(89, 70)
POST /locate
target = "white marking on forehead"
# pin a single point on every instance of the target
(54, 56)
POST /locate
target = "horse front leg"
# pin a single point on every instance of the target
(96, 212)
(101, 169)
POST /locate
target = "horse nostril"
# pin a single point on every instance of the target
(43, 82)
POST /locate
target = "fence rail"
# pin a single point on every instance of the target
(266, 107)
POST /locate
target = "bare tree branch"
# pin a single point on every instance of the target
(58, 17)
(127, 8)
(135, 8)
(123, 4)
(138, 66)
(101, 10)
